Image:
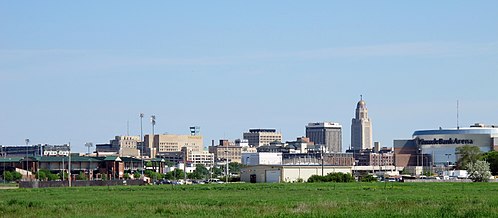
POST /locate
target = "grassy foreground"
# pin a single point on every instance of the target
(257, 200)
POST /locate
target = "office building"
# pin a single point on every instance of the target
(259, 137)
(163, 143)
(123, 146)
(327, 134)
(361, 128)
(226, 150)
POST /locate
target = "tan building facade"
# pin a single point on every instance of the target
(361, 128)
(226, 150)
(127, 145)
(173, 143)
(259, 137)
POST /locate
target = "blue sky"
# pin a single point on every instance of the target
(79, 71)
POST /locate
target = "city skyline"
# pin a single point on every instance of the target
(78, 72)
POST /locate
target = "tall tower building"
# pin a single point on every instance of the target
(327, 134)
(361, 128)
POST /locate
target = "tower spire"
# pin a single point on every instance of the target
(361, 97)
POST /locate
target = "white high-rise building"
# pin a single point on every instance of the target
(361, 128)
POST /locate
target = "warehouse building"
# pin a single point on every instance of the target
(287, 173)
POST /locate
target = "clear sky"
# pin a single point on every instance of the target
(78, 71)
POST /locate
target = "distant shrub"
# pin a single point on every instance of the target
(81, 176)
(136, 175)
(332, 177)
(368, 178)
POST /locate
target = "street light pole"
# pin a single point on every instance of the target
(69, 165)
(142, 146)
(27, 168)
(153, 122)
(322, 158)
(226, 157)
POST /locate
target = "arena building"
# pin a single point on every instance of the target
(438, 147)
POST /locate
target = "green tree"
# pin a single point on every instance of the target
(52, 177)
(47, 175)
(217, 171)
(175, 174)
(126, 176)
(479, 171)
(17, 176)
(41, 175)
(137, 175)
(63, 175)
(7, 175)
(201, 171)
(81, 176)
(492, 158)
(467, 154)
(169, 163)
(234, 167)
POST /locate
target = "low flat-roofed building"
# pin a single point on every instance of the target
(262, 158)
(287, 173)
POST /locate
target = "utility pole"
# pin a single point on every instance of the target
(69, 166)
(322, 159)
(27, 167)
(143, 144)
(153, 122)
(226, 157)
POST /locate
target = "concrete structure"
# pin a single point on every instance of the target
(226, 150)
(262, 158)
(244, 144)
(437, 147)
(192, 158)
(301, 145)
(405, 153)
(160, 144)
(123, 146)
(326, 133)
(287, 173)
(259, 137)
(361, 128)
(373, 158)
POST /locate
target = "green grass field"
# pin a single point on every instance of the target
(257, 200)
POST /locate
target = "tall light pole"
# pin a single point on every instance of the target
(27, 142)
(69, 164)
(142, 147)
(88, 145)
(153, 122)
